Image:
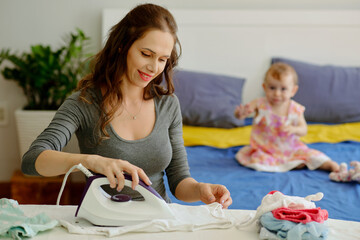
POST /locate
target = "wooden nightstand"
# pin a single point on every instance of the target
(38, 190)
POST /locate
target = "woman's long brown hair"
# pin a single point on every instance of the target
(109, 65)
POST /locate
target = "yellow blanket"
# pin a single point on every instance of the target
(224, 138)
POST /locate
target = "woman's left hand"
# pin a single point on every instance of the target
(210, 193)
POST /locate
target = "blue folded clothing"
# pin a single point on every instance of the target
(295, 231)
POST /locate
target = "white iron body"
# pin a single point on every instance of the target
(102, 210)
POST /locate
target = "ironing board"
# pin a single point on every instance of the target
(339, 229)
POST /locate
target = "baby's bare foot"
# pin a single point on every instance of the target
(330, 166)
(301, 166)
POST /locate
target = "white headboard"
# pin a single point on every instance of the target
(242, 42)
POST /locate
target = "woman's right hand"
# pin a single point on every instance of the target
(114, 170)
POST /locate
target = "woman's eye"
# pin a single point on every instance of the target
(163, 60)
(145, 54)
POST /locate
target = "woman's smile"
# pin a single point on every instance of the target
(144, 76)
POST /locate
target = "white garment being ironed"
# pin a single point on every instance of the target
(188, 218)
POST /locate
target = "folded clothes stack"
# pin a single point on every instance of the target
(287, 223)
(291, 217)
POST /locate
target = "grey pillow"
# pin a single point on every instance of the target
(330, 93)
(208, 100)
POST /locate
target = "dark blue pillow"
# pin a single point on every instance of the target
(329, 93)
(208, 100)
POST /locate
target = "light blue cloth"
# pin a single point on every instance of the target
(14, 224)
(295, 231)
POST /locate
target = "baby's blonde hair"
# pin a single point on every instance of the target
(279, 69)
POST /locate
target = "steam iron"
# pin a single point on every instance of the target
(102, 209)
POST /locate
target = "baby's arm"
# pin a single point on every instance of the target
(242, 111)
(300, 129)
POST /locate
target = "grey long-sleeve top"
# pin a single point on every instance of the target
(161, 151)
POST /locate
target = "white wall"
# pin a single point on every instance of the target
(27, 22)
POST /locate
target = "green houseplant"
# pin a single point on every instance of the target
(46, 76)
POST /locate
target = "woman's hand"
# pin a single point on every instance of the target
(54, 163)
(189, 190)
(114, 170)
(210, 193)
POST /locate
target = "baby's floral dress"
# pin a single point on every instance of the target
(273, 150)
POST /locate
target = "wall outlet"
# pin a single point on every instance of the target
(4, 113)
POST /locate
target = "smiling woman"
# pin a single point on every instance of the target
(148, 56)
(125, 121)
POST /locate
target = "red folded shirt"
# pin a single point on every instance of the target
(301, 215)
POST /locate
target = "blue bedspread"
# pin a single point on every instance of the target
(248, 187)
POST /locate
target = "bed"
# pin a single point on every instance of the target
(225, 54)
(211, 162)
(212, 137)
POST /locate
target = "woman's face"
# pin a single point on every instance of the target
(147, 57)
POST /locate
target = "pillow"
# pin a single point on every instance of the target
(208, 100)
(329, 93)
